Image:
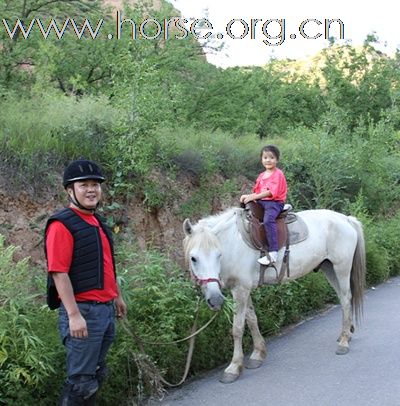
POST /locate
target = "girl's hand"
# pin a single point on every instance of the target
(244, 199)
(247, 198)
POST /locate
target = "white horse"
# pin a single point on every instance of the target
(219, 258)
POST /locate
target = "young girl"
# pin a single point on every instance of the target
(270, 192)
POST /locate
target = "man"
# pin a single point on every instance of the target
(82, 282)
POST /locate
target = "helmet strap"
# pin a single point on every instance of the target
(76, 202)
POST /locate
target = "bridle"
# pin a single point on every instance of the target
(202, 282)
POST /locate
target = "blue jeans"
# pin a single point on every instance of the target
(85, 359)
(272, 209)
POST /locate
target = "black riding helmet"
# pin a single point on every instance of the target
(82, 169)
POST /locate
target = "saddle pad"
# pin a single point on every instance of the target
(298, 230)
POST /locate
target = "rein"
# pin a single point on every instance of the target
(190, 337)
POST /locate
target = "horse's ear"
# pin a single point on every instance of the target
(187, 227)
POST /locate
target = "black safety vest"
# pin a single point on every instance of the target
(87, 267)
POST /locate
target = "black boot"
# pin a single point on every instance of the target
(68, 398)
(91, 401)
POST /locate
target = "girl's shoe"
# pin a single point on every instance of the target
(273, 256)
(264, 260)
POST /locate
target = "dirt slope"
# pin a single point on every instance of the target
(23, 215)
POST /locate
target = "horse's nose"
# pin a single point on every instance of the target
(215, 302)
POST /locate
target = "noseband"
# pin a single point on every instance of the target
(202, 282)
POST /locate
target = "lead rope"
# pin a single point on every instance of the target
(150, 365)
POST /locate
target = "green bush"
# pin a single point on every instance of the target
(280, 305)
(376, 160)
(26, 357)
(319, 170)
(206, 153)
(387, 237)
(377, 260)
(379, 245)
(326, 170)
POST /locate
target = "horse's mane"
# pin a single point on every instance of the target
(204, 231)
(215, 219)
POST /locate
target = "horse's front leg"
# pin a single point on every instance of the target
(259, 349)
(232, 372)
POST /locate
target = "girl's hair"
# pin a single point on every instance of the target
(271, 148)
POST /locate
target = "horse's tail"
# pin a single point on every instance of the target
(357, 278)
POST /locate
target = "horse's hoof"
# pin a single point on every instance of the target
(253, 364)
(227, 377)
(341, 350)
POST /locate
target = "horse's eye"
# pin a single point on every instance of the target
(193, 259)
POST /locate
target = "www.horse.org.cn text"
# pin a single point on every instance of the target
(272, 31)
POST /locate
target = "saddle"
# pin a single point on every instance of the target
(254, 214)
(291, 230)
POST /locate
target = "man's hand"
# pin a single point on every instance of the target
(120, 307)
(77, 326)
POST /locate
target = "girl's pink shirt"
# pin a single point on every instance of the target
(275, 183)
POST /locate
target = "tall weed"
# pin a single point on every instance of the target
(207, 153)
(39, 133)
(25, 357)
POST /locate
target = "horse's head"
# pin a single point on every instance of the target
(203, 254)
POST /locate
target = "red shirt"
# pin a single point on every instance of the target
(60, 245)
(275, 183)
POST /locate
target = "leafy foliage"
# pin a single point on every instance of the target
(25, 358)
